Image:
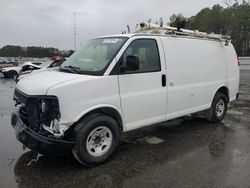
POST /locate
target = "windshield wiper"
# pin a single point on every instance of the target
(71, 69)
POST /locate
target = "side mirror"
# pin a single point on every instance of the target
(132, 63)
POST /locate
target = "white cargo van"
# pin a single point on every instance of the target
(120, 83)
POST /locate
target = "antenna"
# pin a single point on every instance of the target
(128, 28)
(74, 29)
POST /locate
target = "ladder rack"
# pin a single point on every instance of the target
(150, 28)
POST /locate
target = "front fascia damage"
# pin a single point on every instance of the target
(40, 113)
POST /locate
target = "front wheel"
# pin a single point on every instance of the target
(218, 109)
(96, 138)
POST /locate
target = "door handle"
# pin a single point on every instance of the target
(163, 80)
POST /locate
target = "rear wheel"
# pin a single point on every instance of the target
(218, 109)
(96, 138)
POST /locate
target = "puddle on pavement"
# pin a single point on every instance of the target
(150, 140)
(234, 112)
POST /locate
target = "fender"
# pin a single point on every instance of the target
(93, 108)
(224, 89)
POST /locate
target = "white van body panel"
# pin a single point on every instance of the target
(233, 72)
(195, 69)
(39, 83)
(143, 99)
(82, 95)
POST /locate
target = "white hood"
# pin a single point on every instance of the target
(41, 82)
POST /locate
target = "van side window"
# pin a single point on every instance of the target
(147, 52)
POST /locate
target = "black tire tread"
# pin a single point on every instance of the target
(81, 132)
(211, 116)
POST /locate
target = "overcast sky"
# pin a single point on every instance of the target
(50, 22)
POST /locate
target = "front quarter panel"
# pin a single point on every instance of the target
(78, 97)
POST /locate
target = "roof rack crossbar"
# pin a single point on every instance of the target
(150, 28)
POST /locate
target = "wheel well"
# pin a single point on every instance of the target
(224, 90)
(13, 72)
(110, 112)
(10, 71)
(104, 110)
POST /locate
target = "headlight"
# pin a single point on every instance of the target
(43, 109)
(49, 108)
(49, 111)
(43, 106)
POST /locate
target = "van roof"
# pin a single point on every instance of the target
(118, 35)
(164, 35)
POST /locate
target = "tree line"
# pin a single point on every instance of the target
(234, 20)
(32, 51)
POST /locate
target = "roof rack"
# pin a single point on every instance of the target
(150, 28)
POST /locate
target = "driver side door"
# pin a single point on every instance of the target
(143, 92)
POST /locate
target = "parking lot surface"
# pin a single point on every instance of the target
(185, 152)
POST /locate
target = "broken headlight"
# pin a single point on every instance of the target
(42, 110)
(49, 110)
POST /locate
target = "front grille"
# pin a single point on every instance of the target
(26, 110)
(31, 113)
(24, 116)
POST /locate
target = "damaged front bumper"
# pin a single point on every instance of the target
(48, 145)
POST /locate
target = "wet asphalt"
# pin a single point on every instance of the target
(185, 152)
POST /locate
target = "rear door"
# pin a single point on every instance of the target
(143, 92)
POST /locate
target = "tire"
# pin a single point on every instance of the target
(218, 109)
(11, 74)
(96, 137)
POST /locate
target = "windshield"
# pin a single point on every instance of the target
(94, 57)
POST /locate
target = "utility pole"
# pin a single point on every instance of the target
(74, 29)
